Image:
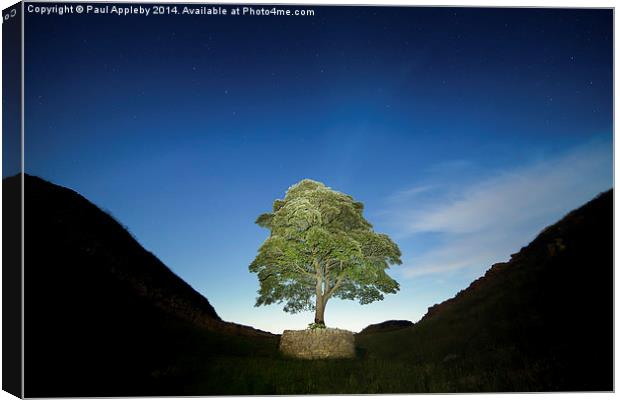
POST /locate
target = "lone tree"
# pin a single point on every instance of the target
(320, 246)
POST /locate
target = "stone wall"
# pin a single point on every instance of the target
(318, 343)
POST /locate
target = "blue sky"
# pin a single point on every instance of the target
(463, 131)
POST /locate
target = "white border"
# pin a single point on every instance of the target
(480, 3)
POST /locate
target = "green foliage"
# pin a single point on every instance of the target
(315, 325)
(321, 246)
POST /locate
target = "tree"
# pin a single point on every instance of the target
(320, 246)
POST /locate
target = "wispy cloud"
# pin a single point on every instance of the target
(483, 222)
(407, 194)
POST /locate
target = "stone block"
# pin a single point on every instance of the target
(318, 343)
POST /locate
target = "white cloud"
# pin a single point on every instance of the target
(484, 222)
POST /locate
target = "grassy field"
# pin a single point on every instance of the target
(242, 366)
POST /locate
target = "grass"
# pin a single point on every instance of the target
(271, 375)
(224, 365)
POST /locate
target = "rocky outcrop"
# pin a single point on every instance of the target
(318, 343)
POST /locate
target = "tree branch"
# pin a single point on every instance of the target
(327, 279)
(301, 270)
(264, 277)
(336, 285)
(329, 265)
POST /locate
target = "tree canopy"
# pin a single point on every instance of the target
(321, 246)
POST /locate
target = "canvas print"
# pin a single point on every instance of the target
(254, 199)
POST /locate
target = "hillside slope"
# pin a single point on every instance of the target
(103, 316)
(541, 321)
(386, 326)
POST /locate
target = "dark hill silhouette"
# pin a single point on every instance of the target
(386, 326)
(102, 314)
(541, 321)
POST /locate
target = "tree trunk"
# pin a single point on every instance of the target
(320, 304)
(319, 314)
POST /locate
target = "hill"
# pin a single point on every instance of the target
(103, 316)
(386, 326)
(541, 321)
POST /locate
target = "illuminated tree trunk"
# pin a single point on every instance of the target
(319, 314)
(320, 300)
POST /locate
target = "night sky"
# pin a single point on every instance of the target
(464, 131)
